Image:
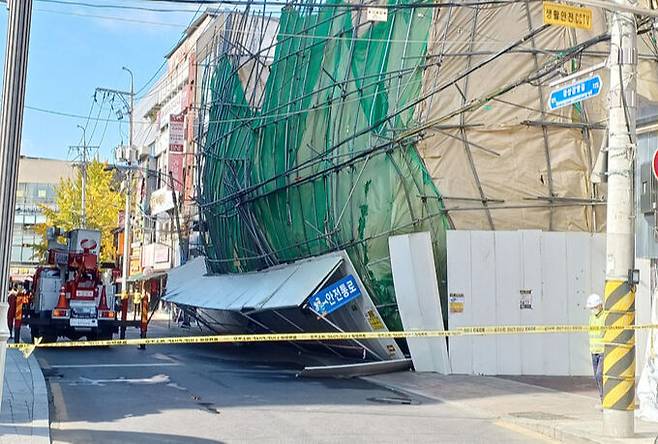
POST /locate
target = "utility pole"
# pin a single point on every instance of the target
(619, 358)
(125, 270)
(11, 127)
(126, 217)
(83, 169)
(177, 219)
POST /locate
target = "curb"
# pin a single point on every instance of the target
(550, 430)
(40, 405)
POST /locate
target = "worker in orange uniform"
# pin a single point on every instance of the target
(143, 324)
(22, 298)
(11, 313)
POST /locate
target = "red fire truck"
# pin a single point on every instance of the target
(71, 296)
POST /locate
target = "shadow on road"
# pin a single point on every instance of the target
(118, 437)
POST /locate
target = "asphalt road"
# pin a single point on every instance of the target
(201, 394)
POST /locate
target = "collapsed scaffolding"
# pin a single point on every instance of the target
(321, 130)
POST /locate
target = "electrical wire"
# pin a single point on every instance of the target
(79, 116)
(110, 6)
(164, 63)
(467, 4)
(148, 82)
(115, 18)
(100, 110)
(107, 122)
(478, 4)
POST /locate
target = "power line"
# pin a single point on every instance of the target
(466, 4)
(110, 6)
(148, 82)
(115, 18)
(79, 116)
(478, 4)
(100, 109)
(164, 62)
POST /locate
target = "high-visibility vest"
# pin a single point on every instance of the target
(596, 345)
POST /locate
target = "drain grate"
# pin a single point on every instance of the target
(393, 400)
(539, 416)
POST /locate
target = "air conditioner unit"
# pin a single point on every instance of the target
(124, 153)
(144, 152)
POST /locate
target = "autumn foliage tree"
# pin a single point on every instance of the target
(103, 206)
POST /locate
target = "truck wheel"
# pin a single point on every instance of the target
(98, 335)
(49, 336)
(105, 335)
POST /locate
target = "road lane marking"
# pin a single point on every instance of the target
(146, 364)
(157, 379)
(59, 404)
(537, 436)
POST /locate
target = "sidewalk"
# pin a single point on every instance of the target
(562, 408)
(24, 416)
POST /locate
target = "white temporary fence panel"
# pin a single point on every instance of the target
(522, 278)
(417, 295)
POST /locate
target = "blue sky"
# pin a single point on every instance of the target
(71, 53)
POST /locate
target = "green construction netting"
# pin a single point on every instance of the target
(318, 160)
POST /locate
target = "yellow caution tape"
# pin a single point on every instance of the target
(27, 349)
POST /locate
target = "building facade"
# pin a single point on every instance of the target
(165, 219)
(166, 154)
(35, 190)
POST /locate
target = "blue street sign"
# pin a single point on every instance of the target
(336, 295)
(576, 92)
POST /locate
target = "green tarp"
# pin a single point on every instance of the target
(320, 161)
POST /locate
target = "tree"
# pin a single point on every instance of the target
(103, 206)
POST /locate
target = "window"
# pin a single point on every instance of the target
(28, 254)
(15, 253)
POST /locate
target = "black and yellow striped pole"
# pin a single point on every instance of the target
(619, 358)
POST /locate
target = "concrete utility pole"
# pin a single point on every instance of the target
(619, 358)
(126, 217)
(176, 217)
(130, 104)
(11, 127)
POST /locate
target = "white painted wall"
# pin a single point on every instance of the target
(490, 268)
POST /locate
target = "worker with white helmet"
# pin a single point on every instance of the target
(596, 345)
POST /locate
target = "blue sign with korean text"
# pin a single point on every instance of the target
(576, 92)
(336, 295)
